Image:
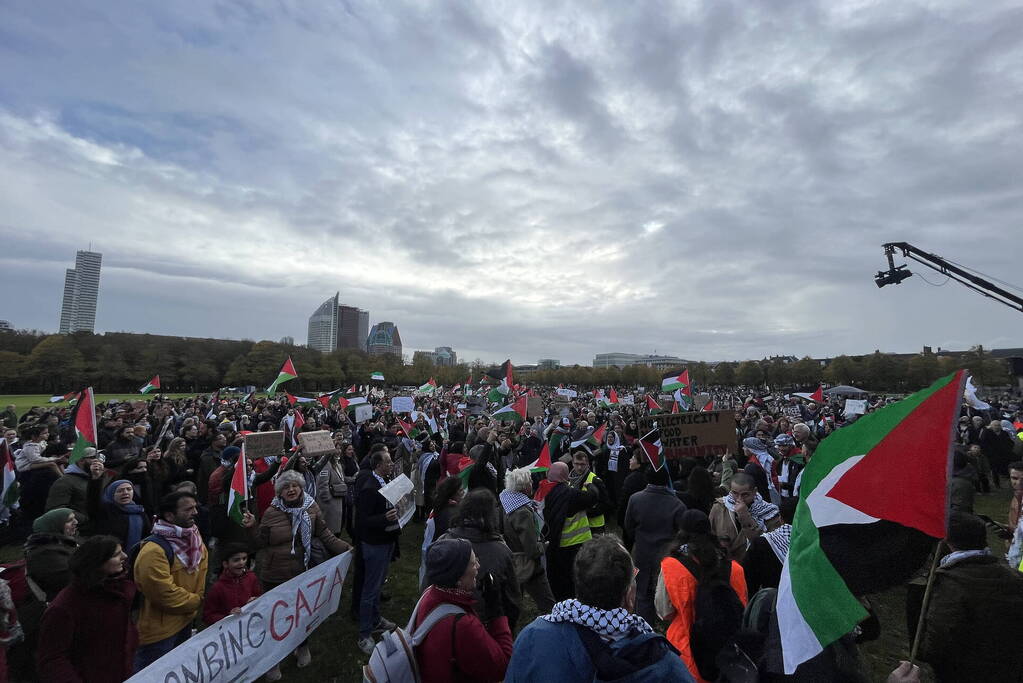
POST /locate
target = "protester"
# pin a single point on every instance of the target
(523, 525)
(766, 555)
(87, 634)
(117, 514)
(741, 516)
(1016, 484)
(564, 511)
(461, 647)
(49, 549)
(331, 491)
(699, 492)
(998, 447)
(634, 482)
(292, 530)
(581, 476)
(963, 484)
(235, 587)
(71, 490)
(972, 628)
(595, 636)
(653, 518)
(377, 530)
(173, 583)
(697, 559)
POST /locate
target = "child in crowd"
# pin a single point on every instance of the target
(235, 587)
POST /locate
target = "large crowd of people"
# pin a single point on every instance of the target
(639, 573)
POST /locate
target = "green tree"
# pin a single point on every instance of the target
(12, 370)
(806, 372)
(724, 373)
(56, 365)
(842, 370)
(922, 370)
(109, 371)
(749, 373)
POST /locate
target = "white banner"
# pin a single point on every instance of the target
(242, 647)
(363, 412)
(567, 393)
(403, 404)
(855, 406)
(627, 400)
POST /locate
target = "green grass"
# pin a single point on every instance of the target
(23, 402)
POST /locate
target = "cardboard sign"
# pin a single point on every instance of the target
(687, 435)
(855, 406)
(314, 443)
(534, 406)
(403, 404)
(627, 400)
(264, 445)
(566, 393)
(363, 412)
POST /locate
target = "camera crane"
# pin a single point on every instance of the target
(896, 274)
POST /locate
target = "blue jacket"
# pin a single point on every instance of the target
(546, 651)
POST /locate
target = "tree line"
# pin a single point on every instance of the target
(116, 362)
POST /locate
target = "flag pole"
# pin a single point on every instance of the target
(918, 638)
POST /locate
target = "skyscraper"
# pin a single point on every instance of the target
(323, 326)
(384, 338)
(353, 326)
(81, 290)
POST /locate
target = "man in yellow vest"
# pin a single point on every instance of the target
(582, 477)
(564, 513)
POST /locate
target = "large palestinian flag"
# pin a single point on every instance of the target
(429, 387)
(503, 375)
(85, 425)
(514, 411)
(675, 380)
(286, 374)
(873, 503)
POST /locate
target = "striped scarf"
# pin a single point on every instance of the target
(301, 524)
(779, 541)
(609, 624)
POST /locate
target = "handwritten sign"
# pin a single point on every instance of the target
(264, 445)
(363, 412)
(688, 435)
(403, 404)
(534, 406)
(317, 442)
(566, 393)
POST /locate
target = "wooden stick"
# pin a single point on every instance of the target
(918, 638)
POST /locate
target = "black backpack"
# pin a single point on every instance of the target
(717, 617)
(133, 555)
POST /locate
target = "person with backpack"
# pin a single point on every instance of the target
(702, 593)
(87, 633)
(595, 636)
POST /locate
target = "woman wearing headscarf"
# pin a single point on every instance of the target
(116, 513)
(87, 633)
(696, 557)
(287, 531)
(48, 550)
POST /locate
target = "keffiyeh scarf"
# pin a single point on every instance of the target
(513, 500)
(760, 510)
(301, 524)
(960, 555)
(187, 543)
(779, 541)
(609, 624)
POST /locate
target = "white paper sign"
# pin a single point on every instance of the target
(855, 406)
(400, 493)
(363, 412)
(567, 393)
(242, 647)
(403, 404)
(628, 400)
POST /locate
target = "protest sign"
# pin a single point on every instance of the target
(566, 393)
(403, 404)
(264, 445)
(400, 493)
(854, 406)
(314, 443)
(242, 647)
(476, 404)
(363, 412)
(692, 434)
(793, 412)
(627, 400)
(534, 406)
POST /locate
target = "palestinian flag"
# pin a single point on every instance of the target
(377, 377)
(672, 381)
(239, 492)
(613, 397)
(66, 397)
(298, 399)
(429, 387)
(351, 390)
(598, 436)
(873, 504)
(515, 411)
(503, 375)
(709, 407)
(247, 397)
(653, 406)
(674, 407)
(153, 384)
(543, 463)
(405, 427)
(286, 374)
(9, 494)
(84, 419)
(653, 450)
(818, 396)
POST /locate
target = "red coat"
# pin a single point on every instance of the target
(228, 592)
(481, 652)
(87, 634)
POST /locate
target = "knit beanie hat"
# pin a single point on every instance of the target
(230, 454)
(446, 561)
(52, 522)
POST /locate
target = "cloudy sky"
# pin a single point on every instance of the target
(712, 180)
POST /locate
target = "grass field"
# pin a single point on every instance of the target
(23, 402)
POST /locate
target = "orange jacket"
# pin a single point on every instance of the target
(680, 586)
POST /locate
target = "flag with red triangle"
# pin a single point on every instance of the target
(351, 390)
(84, 420)
(709, 407)
(66, 397)
(818, 395)
(286, 374)
(542, 463)
(653, 406)
(239, 492)
(598, 435)
(653, 450)
(674, 407)
(513, 411)
(866, 519)
(613, 398)
(149, 386)
(405, 427)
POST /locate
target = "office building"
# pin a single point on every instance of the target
(335, 325)
(548, 364)
(621, 360)
(384, 339)
(353, 327)
(81, 290)
(442, 355)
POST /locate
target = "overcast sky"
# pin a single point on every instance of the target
(710, 180)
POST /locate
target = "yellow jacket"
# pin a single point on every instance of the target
(172, 595)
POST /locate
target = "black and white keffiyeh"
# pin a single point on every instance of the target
(760, 510)
(610, 624)
(779, 541)
(301, 524)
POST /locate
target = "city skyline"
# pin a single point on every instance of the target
(709, 180)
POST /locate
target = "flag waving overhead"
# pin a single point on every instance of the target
(653, 406)
(66, 397)
(651, 444)
(286, 374)
(85, 425)
(515, 411)
(818, 395)
(675, 380)
(377, 377)
(873, 503)
(239, 489)
(429, 387)
(543, 463)
(152, 384)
